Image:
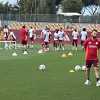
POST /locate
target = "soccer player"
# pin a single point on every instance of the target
(46, 39)
(12, 38)
(56, 39)
(6, 33)
(83, 35)
(42, 37)
(24, 38)
(61, 36)
(31, 36)
(75, 36)
(92, 46)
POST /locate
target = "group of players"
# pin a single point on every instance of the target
(58, 37)
(91, 45)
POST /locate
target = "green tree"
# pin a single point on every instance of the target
(37, 6)
(91, 6)
(72, 5)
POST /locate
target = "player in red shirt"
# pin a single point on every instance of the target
(24, 38)
(92, 46)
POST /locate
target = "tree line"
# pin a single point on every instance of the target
(47, 6)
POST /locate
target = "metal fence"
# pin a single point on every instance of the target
(6, 18)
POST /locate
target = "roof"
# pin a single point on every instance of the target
(70, 14)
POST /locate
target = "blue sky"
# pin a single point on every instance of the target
(10, 1)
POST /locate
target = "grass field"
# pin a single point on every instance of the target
(20, 78)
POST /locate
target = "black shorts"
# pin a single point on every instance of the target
(46, 43)
(89, 63)
(24, 42)
(55, 42)
(61, 41)
(31, 38)
(82, 42)
(75, 41)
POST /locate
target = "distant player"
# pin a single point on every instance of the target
(1, 35)
(56, 40)
(12, 38)
(24, 38)
(42, 37)
(6, 33)
(31, 36)
(83, 35)
(46, 39)
(61, 36)
(75, 36)
(92, 46)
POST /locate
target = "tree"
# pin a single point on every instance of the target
(91, 6)
(37, 6)
(72, 5)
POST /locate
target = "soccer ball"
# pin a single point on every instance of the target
(14, 54)
(83, 67)
(42, 67)
(77, 68)
(40, 51)
(70, 54)
(64, 55)
(25, 53)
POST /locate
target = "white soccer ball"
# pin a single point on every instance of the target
(77, 68)
(42, 67)
(25, 53)
(14, 54)
(83, 67)
(40, 51)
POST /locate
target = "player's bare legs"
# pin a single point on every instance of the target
(96, 70)
(87, 76)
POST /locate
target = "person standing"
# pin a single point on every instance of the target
(83, 36)
(24, 38)
(75, 36)
(92, 46)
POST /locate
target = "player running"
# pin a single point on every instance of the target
(92, 46)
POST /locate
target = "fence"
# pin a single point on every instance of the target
(48, 18)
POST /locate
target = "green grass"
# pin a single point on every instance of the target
(20, 78)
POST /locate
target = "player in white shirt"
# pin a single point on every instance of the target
(46, 39)
(56, 39)
(61, 36)
(75, 36)
(83, 35)
(12, 38)
(31, 36)
(42, 37)
(6, 34)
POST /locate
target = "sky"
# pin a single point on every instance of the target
(10, 1)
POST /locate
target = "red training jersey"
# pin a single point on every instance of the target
(91, 48)
(23, 34)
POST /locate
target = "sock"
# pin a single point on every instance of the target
(97, 79)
